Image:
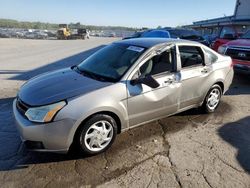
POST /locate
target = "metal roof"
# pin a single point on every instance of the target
(241, 17)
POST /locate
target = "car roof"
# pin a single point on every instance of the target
(150, 42)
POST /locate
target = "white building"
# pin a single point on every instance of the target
(240, 20)
(242, 9)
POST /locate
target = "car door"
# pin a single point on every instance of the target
(194, 72)
(146, 103)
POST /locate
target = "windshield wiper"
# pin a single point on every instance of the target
(89, 74)
(76, 68)
(93, 75)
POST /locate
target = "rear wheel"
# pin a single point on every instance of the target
(97, 134)
(212, 99)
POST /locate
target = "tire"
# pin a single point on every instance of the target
(212, 102)
(94, 129)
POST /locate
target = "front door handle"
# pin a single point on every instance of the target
(204, 71)
(169, 81)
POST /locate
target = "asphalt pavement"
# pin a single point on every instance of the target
(190, 149)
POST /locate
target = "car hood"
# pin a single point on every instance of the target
(239, 42)
(57, 86)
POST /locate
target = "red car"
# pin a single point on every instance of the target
(226, 34)
(239, 51)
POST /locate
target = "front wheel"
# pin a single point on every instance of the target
(212, 99)
(97, 134)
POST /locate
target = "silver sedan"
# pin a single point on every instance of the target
(125, 84)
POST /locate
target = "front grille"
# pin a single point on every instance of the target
(21, 106)
(239, 53)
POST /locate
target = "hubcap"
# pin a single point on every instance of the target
(213, 99)
(98, 136)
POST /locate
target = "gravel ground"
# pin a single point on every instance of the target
(190, 149)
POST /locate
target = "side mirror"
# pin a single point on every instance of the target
(147, 80)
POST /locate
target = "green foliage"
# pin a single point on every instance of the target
(9, 23)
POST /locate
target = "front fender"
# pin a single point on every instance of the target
(112, 98)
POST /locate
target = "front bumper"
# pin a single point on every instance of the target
(241, 65)
(228, 80)
(53, 136)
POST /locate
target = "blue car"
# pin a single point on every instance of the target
(152, 33)
(178, 33)
(155, 34)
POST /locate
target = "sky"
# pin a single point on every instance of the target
(130, 13)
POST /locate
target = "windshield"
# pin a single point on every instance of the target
(111, 62)
(246, 35)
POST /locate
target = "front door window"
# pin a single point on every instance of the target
(159, 64)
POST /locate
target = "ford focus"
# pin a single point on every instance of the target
(125, 84)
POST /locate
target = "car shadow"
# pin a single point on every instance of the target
(240, 85)
(22, 158)
(11, 148)
(62, 63)
(11, 72)
(9, 138)
(238, 135)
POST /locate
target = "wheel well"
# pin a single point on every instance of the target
(113, 115)
(77, 132)
(221, 85)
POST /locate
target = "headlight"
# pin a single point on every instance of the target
(44, 114)
(222, 49)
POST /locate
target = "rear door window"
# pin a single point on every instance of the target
(191, 56)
